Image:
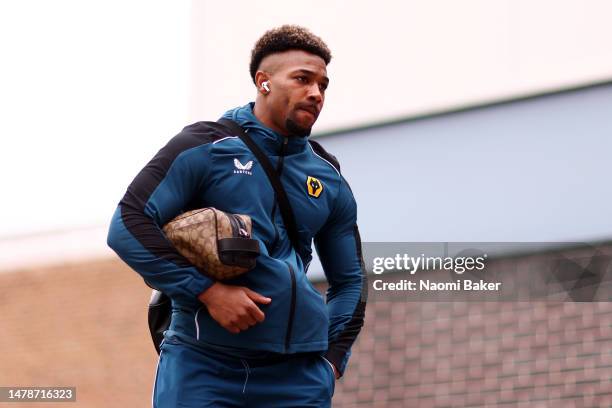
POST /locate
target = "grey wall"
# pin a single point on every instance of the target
(530, 170)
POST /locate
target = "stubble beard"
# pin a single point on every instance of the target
(296, 130)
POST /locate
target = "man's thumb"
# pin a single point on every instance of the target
(256, 297)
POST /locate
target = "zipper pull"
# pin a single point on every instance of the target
(242, 227)
(284, 147)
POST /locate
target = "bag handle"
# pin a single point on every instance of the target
(280, 193)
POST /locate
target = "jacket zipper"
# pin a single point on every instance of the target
(292, 307)
(279, 169)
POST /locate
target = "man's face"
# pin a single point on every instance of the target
(297, 89)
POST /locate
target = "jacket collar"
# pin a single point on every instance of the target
(266, 138)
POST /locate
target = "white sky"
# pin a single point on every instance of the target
(89, 91)
(395, 58)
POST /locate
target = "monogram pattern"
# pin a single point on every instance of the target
(195, 233)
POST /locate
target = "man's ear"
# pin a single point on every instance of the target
(260, 78)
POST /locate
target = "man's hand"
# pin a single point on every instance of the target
(336, 373)
(233, 307)
(333, 367)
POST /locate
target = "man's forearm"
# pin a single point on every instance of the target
(149, 253)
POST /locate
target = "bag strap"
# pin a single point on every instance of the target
(280, 193)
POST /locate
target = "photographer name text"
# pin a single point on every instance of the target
(427, 285)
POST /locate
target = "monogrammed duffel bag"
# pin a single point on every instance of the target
(218, 243)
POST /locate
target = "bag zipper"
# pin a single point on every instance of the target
(239, 228)
(233, 224)
(242, 228)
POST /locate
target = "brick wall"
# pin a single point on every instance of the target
(80, 325)
(84, 325)
(491, 354)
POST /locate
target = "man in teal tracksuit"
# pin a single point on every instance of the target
(266, 338)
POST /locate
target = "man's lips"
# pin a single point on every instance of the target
(311, 110)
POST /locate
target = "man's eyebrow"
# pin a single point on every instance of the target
(308, 72)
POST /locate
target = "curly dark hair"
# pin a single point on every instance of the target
(284, 38)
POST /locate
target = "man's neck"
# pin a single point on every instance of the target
(264, 117)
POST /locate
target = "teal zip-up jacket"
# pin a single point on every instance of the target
(206, 165)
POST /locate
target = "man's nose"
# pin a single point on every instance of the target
(314, 93)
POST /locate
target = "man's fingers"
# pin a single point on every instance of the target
(256, 297)
(248, 318)
(239, 313)
(256, 313)
(241, 321)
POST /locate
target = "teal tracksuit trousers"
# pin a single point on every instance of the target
(189, 376)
